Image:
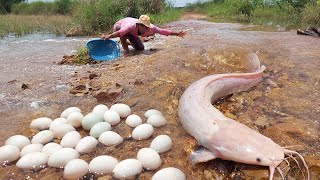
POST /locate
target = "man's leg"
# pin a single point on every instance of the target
(123, 40)
(136, 43)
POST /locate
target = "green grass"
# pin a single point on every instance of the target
(25, 24)
(168, 15)
(82, 57)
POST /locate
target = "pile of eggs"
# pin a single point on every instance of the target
(41, 151)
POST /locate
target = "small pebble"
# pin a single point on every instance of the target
(42, 137)
(122, 109)
(161, 143)
(169, 173)
(75, 119)
(60, 158)
(152, 112)
(143, 131)
(110, 138)
(86, 145)
(18, 140)
(127, 169)
(50, 148)
(149, 158)
(99, 128)
(157, 120)
(41, 123)
(112, 117)
(102, 165)
(71, 139)
(68, 111)
(133, 120)
(31, 148)
(33, 161)
(76, 169)
(9, 153)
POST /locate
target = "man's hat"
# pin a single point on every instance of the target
(145, 20)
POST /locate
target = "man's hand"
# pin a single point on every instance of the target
(105, 37)
(181, 33)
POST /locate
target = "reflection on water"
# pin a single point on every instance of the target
(284, 106)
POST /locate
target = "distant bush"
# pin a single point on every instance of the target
(311, 15)
(99, 15)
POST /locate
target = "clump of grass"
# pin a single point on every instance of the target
(82, 57)
(25, 24)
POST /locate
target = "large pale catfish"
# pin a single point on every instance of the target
(223, 137)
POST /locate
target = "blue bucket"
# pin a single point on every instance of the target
(102, 50)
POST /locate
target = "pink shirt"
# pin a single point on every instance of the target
(128, 25)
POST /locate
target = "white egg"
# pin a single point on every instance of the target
(9, 153)
(42, 137)
(68, 111)
(111, 117)
(18, 140)
(149, 158)
(31, 148)
(75, 119)
(133, 120)
(169, 173)
(62, 129)
(143, 131)
(99, 128)
(100, 109)
(71, 139)
(76, 169)
(33, 161)
(60, 158)
(161, 143)
(51, 148)
(127, 169)
(110, 138)
(86, 145)
(90, 120)
(152, 112)
(57, 122)
(102, 165)
(122, 109)
(157, 120)
(41, 123)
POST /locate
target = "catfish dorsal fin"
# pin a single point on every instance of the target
(252, 62)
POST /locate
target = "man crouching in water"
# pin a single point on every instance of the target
(131, 28)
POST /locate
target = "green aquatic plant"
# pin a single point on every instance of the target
(82, 57)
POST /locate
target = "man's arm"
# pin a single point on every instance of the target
(167, 32)
(180, 34)
(112, 35)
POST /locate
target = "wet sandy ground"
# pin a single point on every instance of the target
(285, 106)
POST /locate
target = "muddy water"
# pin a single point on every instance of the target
(284, 106)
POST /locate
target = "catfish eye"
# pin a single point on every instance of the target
(258, 159)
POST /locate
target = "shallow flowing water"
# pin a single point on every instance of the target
(285, 106)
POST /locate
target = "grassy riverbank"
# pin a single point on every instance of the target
(25, 24)
(284, 14)
(94, 17)
(81, 17)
